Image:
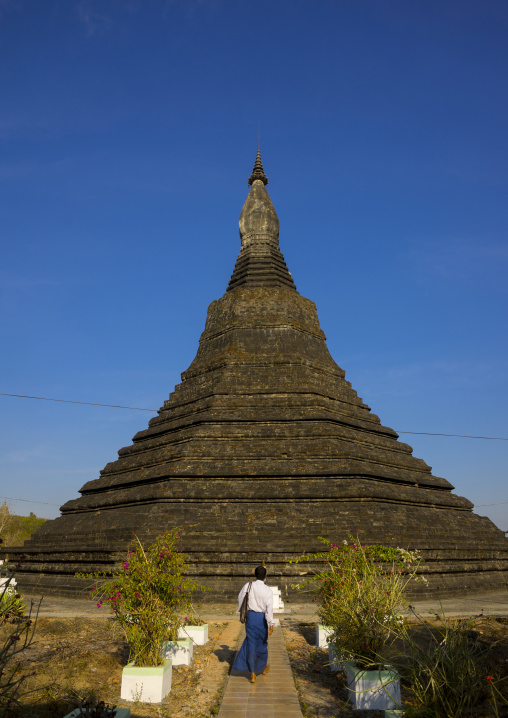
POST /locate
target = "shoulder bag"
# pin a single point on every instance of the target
(245, 605)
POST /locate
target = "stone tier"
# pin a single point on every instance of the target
(244, 529)
(261, 267)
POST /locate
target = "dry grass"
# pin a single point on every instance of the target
(323, 694)
(81, 658)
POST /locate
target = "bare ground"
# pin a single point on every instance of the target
(77, 658)
(72, 659)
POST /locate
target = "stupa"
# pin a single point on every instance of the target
(263, 447)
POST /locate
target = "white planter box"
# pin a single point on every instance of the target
(119, 713)
(179, 652)
(322, 633)
(373, 690)
(199, 634)
(148, 685)
(7, 582)
(335, 661)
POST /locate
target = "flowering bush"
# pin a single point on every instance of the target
(149, 596)
(359, 590)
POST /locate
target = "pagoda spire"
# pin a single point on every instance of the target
(260, 262)
(258, 172)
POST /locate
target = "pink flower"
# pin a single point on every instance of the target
(137, 595)
(126, 565)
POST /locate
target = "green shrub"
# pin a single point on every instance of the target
(19, 638)
(359, 591)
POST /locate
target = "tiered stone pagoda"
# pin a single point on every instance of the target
(263, 447)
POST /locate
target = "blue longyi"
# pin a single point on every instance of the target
(253, 655)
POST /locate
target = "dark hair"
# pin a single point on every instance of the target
(260, 573)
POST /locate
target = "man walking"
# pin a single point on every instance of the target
(253, 654)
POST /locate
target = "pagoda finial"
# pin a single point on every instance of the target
(258, 172)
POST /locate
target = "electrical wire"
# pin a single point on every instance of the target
(29, 501)
(479, 506)
(460, 436)
(137, 408)
(46, 503)
(86, 403)
(154, 411)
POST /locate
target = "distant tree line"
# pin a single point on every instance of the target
(16, 529)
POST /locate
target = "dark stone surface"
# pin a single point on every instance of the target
(263, 447)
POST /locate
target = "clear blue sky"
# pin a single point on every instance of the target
(128, 130)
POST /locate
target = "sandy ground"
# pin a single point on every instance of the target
(494, 603)
(78, 651)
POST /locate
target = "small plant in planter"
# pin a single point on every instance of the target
(11, 601)
(148, 598)
(193, 620)
(359, 590)
(194, 627)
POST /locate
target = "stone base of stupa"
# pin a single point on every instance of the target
(263, 447)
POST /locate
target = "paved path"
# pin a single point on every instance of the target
(271, 696)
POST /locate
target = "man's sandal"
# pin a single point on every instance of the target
(266, 669)
(252, 677)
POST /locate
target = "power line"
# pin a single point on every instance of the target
(46, 503)
(138, 408)
(478, 506)
(28, 501)
(460, 436)
(86, 403)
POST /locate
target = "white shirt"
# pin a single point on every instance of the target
(260, 600)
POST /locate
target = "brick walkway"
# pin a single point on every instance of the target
(271, 696)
